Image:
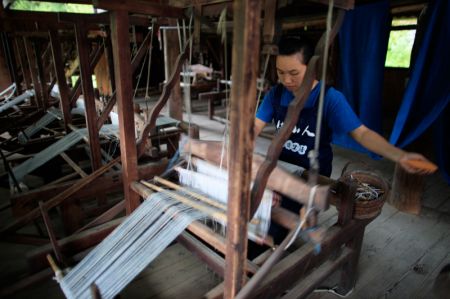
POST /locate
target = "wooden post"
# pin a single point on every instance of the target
(246, 39)
(83, 47)
(10, 60)
(122, 70)
(41, 74)
(197, 27)
(270, 8)
(171, 52)
(33, 71)
(110, 58)
(407, 190)
(60, 76)
(23, 63)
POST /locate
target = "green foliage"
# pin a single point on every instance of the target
(399, 48)
(51, 7)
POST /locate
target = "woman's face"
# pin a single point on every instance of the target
(291, 70)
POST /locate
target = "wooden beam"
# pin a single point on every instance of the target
(94, 59)
(270, 8)
(111, 182)
(33, 71)
(73, 244)
(171, 51)
(23, 62)
(58, 199)
(140, 7)
(291, 268)
(83, 47)
(344, 4)
(122, 69)
(10, 59)
(51, 233)
(73, 165)
(246, 43)
(137, 59)
(315, 279)
(60, 77)
(41, 74)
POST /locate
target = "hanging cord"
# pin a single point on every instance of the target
(133, 31)
(313, 155)
(222, 30)
(150, 49)
(263, 77)
(186, 78)
(139, 78)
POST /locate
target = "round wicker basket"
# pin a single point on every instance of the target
(368, 209)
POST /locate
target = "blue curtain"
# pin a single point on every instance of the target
(363, 41)
(428, 91)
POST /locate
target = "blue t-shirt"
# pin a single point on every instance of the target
(337, 113)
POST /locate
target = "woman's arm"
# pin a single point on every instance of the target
(379, 145)
(259, 126)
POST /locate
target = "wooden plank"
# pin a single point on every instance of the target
(176, 273)
(407, 242)
(122, 68)
(60, 76)
(307, 284)
(83, 47)
(140, 7)
(41, 73)
(73, 165)
(246, 39)
(424, 272)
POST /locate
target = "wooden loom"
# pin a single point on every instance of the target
(343, 240)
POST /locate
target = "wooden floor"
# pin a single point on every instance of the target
(402, 254)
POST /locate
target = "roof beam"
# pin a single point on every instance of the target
(140, 7)
(344, 4)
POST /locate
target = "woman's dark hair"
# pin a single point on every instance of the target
(293, 45)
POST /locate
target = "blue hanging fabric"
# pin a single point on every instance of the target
(442, 142)
(428, 91)
(363, 41)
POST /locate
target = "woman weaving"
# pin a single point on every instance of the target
(338, 118)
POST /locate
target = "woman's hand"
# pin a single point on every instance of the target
(416, 164)
(276, 199)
